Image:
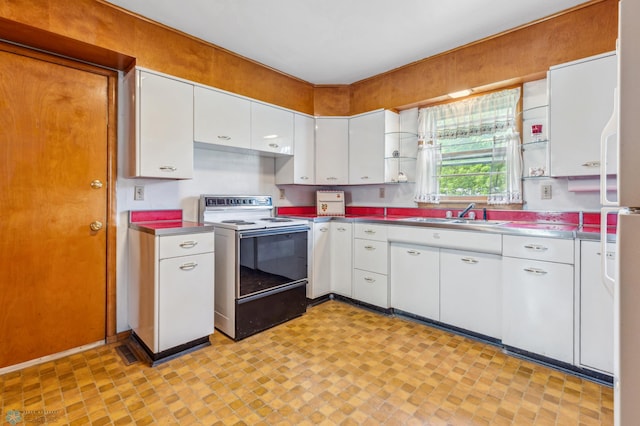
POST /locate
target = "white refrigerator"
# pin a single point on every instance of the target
(623, 135)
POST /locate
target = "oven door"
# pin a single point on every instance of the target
(270, 258)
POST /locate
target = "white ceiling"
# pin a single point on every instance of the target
(342, 41)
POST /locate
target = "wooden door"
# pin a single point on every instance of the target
(53, 267)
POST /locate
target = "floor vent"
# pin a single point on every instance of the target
(127, 355)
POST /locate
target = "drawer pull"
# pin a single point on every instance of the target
(413, 252)
(536, 247)
(469, 260)
(304, 177)
(274, 145)
(188, 266)
(364, 177)
(188, 244)
(369, 279)
(324, 229)
(168, 168)
(369, 247)
(332, 178)
(341, 229)
(591, 164)
(224, 137)
(369, 231)
(535, 271)
(436, 236)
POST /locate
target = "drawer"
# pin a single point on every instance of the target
(370, 255)
(371, 288)
(186, 244)
(371, 232)
(484, 242)
(538, 248)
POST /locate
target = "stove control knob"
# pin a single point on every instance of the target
(96, 225)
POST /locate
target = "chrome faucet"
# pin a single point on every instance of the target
(466, 210)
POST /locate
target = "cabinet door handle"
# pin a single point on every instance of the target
(304, 177)
(436, 236)
(369, 280)
(224, 137)
(536, 247)
(188, 244)
(188, 266)
(413, 252)
(591, 164)
(535, 271)
(369, 247)
(274, 145)
(364, 177)
(324, 229)
(332, 178)
(469, 260)
(168, 168)
(341, 229)
(369, 231)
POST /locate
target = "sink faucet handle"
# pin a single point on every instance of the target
(449, 214)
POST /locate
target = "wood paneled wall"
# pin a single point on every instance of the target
(68, 27)
(516, 56)
(101, 33)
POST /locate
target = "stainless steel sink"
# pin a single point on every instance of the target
(456, 221)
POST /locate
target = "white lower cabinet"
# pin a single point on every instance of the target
(341, 236)
(415, 279)
(171, 288)
(538, 302)
(370, 258)
(470, 291)
(320, 265)
(596, 308)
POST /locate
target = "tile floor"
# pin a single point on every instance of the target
(338, 364)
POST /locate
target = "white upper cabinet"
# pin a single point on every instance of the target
(332, 150)
(299, 168)
(271, 129)
(221, 119)
(366, 147)
(580, 104)
(159, 115)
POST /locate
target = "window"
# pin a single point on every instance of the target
(470, 149)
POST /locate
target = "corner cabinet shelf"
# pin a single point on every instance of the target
(400, 153)
(535, 159)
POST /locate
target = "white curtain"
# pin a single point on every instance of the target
(494, 113)
(427, 190)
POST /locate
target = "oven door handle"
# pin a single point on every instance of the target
(272, 231)
(270, 292)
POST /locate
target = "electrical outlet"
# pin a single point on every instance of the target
(381, 195)
(545, 192)
(138, 193)
(282, 193)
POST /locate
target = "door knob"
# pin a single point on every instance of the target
(96, 225)
(96, 184)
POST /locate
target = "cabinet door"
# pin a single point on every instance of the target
(332, 151)
(299, 168)
(596, 308)
(366, 148)
(321, 264)
(271, 129)
(341, 263)
(371, 288)
(221, 119)
(165, 132)
(581, 103)
(185, 299)
(471, 291)
(415, 279)
(538, 307)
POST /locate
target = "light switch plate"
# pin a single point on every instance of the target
(138, 193)
(545, 192)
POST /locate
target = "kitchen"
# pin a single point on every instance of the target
(231, 168)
